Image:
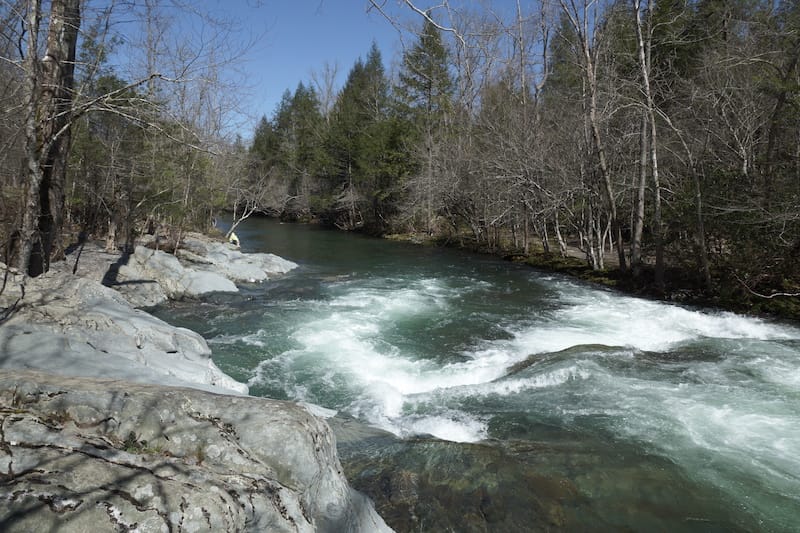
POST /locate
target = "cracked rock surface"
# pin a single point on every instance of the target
(83, 454)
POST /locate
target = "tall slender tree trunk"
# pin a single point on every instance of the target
(30, 217)
(589, 36)
(47, 132)
(562, 245)
(607, 186)
(658, 229)
(705, 267)
(638, 209)
(429, 185)
(645, 48)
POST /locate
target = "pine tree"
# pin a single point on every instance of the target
(307, 122)
(265, 142)
(356, 141)
(425, 97)
(426, 86)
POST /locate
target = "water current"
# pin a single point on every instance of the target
(611, 412)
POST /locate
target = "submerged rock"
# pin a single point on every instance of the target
(425, 484)
(567, 353)
(553, 482)
(82, 454)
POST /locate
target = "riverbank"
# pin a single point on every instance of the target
(681, 284)
(112, 418)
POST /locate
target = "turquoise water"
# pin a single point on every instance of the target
(655, 416)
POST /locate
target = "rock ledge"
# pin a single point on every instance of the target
(80, 454)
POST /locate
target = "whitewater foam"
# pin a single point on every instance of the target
(342, 340)
(598, 317)
(256, 338)
(454, 427)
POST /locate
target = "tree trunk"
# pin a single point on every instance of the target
(657, 226)
(30, 216)
(562, 245)
(645, 47)
(48, 132)
(638, 213)
(607, 186)
(705, 268)
(605, 174)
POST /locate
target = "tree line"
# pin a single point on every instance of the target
(656, 137)
(660, 138)
(113, 122)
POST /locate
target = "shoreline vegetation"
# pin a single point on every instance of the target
(680, 285)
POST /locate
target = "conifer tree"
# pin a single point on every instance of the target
(425, 94)
(359, 144)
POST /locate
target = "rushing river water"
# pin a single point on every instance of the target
(514, 399)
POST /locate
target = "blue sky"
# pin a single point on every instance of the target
(296, 37)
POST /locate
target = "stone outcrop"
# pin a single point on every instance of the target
(113, 420)
(81, 454)
(74, 326)
(200, 266)
(175, 280)
(206, 254)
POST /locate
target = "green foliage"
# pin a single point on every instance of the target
(426, 86)
(266, 142)
(724, 80)
(564, 79)
(675, 43)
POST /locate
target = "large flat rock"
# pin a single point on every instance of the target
(78, 327)
(175, 280)
(204, 253)
(79, 454)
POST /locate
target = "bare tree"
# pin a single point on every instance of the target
(644, 40)
(325, 84)
(585, 18)
(191, 115)
(50, 80)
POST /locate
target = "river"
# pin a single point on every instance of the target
(475, 394)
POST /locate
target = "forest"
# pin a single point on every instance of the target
(658, 138)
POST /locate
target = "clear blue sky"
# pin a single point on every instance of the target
(296, 37)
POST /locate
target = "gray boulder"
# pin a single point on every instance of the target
(77, 327)
(174, 279)
(204, 253)
(100, 455)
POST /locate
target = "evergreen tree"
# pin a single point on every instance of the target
(425, 95)
(307, 122)
(266, 143)
(364, 159)
(426, 86)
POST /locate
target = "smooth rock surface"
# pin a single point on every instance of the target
(92, 261)
(80, 454)
(174, 279)
(141, 451)
(204, 253)
(77, 327)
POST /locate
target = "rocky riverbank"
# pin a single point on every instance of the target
(111, 418)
